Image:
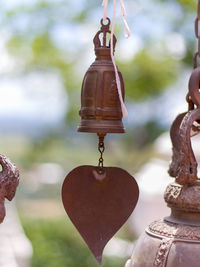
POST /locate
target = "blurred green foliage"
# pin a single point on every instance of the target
(144, 135)
(145, 75)
(189, 4)
(56, 244)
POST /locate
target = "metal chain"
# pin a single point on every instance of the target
(197, 34)
(197, 54)
(191, 106)
(101, 149)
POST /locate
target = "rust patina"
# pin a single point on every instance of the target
(96, 204)
(99, 199)
(100, 105)
(9, 180)
(175, 240)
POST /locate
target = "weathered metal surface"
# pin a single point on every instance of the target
(175, 241)
(174, 134)
(9, 180)
(99, 204)
(184, 202)
(194, 86)
(100, 105)
(187, 170)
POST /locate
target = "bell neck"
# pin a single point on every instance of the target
(103, 54)
(184, 202)
(184, 217)
(102, 42)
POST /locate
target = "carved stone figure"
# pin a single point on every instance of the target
(9, 180)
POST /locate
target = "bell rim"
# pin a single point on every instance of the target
(83, 129)
(101, 126)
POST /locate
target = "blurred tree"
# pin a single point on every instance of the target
(147, 76)
(32, 42)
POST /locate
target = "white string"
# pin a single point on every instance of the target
(105, 5)
(127, 31)
(126, 35)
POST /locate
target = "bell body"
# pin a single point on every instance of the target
(175, 240)
(100, 105)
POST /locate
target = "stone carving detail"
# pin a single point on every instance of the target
(9, 180)
(172, 230)
(162, 253)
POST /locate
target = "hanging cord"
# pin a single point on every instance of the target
(126, 35)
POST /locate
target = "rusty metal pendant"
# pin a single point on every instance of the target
(99, 204)
(100, 105)
(99, 199)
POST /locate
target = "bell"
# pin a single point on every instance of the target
(175, 240)
(100, 104)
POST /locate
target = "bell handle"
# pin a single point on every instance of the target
(105, 28)
(194, 85)
(187, 170)
(175, 139)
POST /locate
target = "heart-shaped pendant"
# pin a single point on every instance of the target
(99, 204)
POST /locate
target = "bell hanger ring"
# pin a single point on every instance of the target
(106, 22)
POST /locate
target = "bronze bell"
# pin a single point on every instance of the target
(175, 240)
(100, 105)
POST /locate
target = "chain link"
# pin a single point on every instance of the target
(190, 102)
(198, 10)
(197, 34)
(197, 54)
(101, 149)
(195, 128)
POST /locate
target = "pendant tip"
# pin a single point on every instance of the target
(99, 259)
